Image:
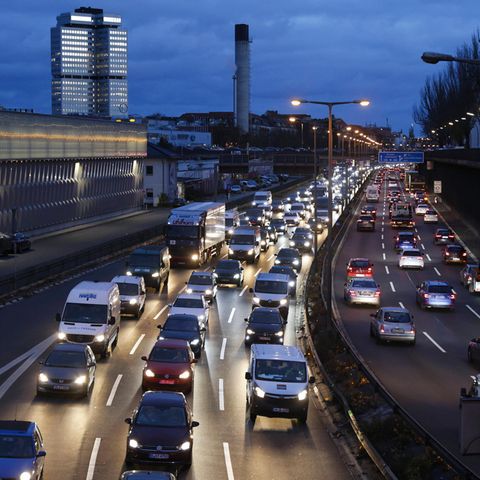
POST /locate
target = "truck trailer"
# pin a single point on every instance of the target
(195, 232)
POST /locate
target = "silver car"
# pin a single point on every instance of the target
(203, 283)
(69, 368)
(364, 291)
(393, 324)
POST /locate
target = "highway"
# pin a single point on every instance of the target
(86, 438)
(426, 378)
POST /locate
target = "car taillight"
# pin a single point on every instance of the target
(377, 293)
(451, 236)
(464, 254)
(352, 293)
(426, 295)
(369, 269)
(453, 296)
(438, 235)
(349, 269)
(447, 253)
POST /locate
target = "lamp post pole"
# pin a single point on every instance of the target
(329, 240)
(315, 174)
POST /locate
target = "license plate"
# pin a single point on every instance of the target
(281, 410)
(398, 330)
(264, 338)
(167, 382)
(159, 456)
(173, 242)
(61, 387)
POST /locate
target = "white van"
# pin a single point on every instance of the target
(372, 194)
(272, 290)
(132, 294)
(245, 244)
(91, 315)
(262, 198)
(277, 382)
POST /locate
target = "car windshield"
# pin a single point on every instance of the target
(442, 231)
(181, 323)
(430, 212)
(242, 239)
(396, 317)
(227, 265)
(359, 263)
(85, 313)
(15, 446)
(405, 238)
(265, 316)
(139, 260)
(182, 231)
(271, 286)
(301, 237)
(186, 302)
(200, 280)
(285, 270)
(455, 248)
(254, 212)
(284, 253)
(411, 253)
(161, 416)
(280, 371)
(128, 288)
(439, 289)
(62, 358)
(169, 355)
(366, 217)
(363, 284)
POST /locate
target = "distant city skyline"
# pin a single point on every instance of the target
(181, 57)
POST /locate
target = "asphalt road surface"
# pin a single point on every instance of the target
(86, 438)
(425, 378)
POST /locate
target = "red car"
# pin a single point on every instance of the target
(359, 267)
(169, 366)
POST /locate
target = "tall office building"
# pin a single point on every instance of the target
(89, 64)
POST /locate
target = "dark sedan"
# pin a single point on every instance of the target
(366, 223)
(454, 254)
(265, 325)
(290, 257)
(147, 475)
(443, 236)
(228, 272)
(161, 430)
(279, 225)
(303, 243)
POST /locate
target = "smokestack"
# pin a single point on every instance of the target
(242, 77)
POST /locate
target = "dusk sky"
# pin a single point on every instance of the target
(181, 54)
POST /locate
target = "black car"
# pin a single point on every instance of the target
(272, 232)
(279, 225)
(184, 327)
(265, 325)
(443, 236)
(369, 210)
(286, 270)
(161, 418)
(278, 206)
(473, 350)
(454, 253)
(290, 257)
(228, 272)
(366, 223)
(303, 243)
(405, 240)
(265, 239)
(255, 216)
(315, 225)
(147, 475)
(16, 243)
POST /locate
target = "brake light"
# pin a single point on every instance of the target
(464, 254)
(451, 236)
(369, 269)
(349, 269)
(377, 293)
(426, 295)
(438, 235)
(447, 254)
(352, 293)
(452, 296)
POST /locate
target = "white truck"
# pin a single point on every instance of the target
(372, 194)
(91, 315)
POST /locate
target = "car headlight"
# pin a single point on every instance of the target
(195, 257)
(277, 262)
(81, 380)
(155, 274)
(292, 244)
(259, 218)
(185, 446)
(291, 283)
(100, 338)
(283, 301)
(256, 300)
(208, 291)
(61, 336)
(302, 395)
(132, 301)
(263, 242)
(247, 218)
(279, 334)
(195, 341)
(236, 276)
(307, 244)
(129, 273)
(250, 332)
(149, 373)
(254, 203)
(230, 231)
(295, 262)
(201, 317)
(250, 252)
(25, 476)
(132, 443)
(230, 251)
(184, 375)
(259, 392)
(215, 275)
(189, 290)
(42, 378)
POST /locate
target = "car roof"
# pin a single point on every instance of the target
(454, 245)
(147, 475)
(394, 309)
(18, 427)
(127, 279)
(162, 398)
(171, 343)
(359, 259)
(195, 296)
(283, 352)
(185, 316)
(201, 274)
(281, 269)
(227, 261)
(274, 277)
(69, 347)
(436, 282)
(259, 310)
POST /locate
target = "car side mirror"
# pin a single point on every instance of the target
(193, 360)
(257, 243)
(170, 305)
(58, 317)
(245, 319)
(345, 284)
(128, 420)
(111, 321)
(248, 376)
(143, 292)
(159, 327)
(463, 392)
(144, 358)
(195, 424)
(242, 269)
(250, 290)
(372, 315)
(41, 453)
(186, 283)
(203, 329)
(311, 379)
(91, 364)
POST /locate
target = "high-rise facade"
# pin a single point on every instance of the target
(89, 64)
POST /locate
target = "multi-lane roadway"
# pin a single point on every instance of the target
(425, 378)
(86, 438)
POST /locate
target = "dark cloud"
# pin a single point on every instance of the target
(181, 54)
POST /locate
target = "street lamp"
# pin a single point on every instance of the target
(293, 120)
(315, 175)
(328, 259)
(434, 57)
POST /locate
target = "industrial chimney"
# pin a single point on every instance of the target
(242, 77)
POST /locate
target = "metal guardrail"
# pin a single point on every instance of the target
(459, 467)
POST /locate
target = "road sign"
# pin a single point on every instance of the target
(437, 186)
(400, 157)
